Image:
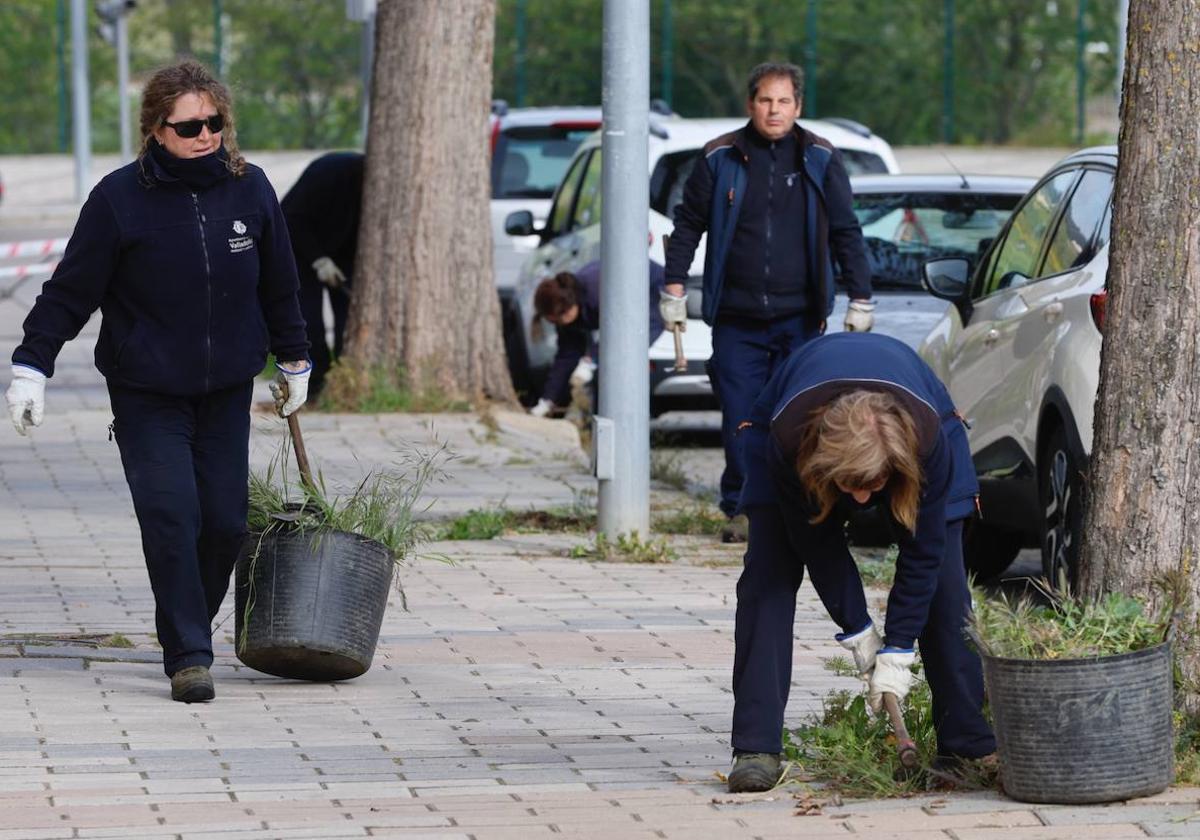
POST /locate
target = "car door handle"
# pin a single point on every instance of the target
(1054, 311)
(991, 336)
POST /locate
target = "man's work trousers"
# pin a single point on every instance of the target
(766, 607)
(745, 354)
(312, 307)
(186, 460)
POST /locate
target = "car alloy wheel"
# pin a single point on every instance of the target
(1061, 488)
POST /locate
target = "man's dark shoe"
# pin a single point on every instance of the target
(754, 772)
(192, 685)
(736, 530)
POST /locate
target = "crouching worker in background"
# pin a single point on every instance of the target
(571, 302)
(846, 418)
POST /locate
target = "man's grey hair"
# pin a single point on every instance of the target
(770, 69)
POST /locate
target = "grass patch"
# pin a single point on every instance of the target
(665, 468)
(383, 390)
(1065, 627)
(117, 640)
(692, 519)
(629, 548)
(1187, 748)
(879, 572)
(854, 753)
(482, 524)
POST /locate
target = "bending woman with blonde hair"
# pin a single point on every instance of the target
(847, 418)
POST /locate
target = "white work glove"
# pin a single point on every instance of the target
(26, 398)
(584, 372)
(860, 316)
(893, 674)
(328, 272)
(290, 389)
(673, 310)
(543, 407)
(863, 646)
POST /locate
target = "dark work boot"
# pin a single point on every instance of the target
(736, 529)
(192, 685)
(754, 772)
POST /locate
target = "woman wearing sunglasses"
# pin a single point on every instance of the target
(186, 254)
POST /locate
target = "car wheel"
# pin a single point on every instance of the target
(518, 356)
(1060, 485)
(988, 551)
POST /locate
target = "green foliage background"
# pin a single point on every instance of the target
(294, 64)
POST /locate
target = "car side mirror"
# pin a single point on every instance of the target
(519, 223)
(948, 278)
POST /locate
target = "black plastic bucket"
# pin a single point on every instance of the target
(317, 603)
(1083, 730)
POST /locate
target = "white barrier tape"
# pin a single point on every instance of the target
(20, 272)
(32, 248)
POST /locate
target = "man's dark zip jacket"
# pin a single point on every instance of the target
(195, 283)
(827, 229)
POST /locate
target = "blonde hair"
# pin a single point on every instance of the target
(859, 440)
(170, 83)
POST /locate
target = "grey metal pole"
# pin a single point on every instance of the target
(624, 500)
(367, 69)
(1122, 34)
(122, 29)
(80, 98)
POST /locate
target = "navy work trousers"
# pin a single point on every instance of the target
(312, 307)
(186, 460)
(745, 354)
(776, 556)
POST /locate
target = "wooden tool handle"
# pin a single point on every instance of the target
(301, 455)
(680, 359)
(906, 748)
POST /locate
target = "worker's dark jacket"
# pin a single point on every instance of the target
(195, 279)
(816, 374)
(323, 209)
(713, 199)
(576, 339)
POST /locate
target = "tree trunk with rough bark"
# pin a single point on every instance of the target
(424, 297)
(1141, 522)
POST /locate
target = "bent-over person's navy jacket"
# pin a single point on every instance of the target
(814, 375)
(195, 286)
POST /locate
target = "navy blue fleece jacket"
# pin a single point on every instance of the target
(194, 284)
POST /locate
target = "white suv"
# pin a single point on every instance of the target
(570, 238)
(1020, 352)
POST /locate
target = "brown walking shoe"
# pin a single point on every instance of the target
(754, 772)
(192, 685)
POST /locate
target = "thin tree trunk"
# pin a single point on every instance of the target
(424, 297)
(1141, 522)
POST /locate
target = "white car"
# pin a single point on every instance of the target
(1020, 352)
(570, 238)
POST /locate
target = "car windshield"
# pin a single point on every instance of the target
(528, 162)
(903, 230)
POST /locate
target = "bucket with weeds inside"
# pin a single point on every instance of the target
(313, 578)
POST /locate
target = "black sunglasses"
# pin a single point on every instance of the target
(188, 129)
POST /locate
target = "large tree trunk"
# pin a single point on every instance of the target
(424, 297)
(1142, 520)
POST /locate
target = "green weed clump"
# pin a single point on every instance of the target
(629, 548)
(853, 752)
(1064, 628)
(384, 390)
(486, 524)
(695, 519)
(667, 469)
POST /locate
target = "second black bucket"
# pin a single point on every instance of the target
(1083, 730)
(317, 600)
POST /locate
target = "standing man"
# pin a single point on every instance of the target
(322, 210)
(775, 201)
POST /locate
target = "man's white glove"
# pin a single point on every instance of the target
(290, 389)
(328, 272)
(893, 674)
(860, 316)
(543, 407)
(673, 310)
(26, 398)
(863, 646)
(584, 372)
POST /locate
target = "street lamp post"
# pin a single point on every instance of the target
(115, 30)
(79, 98)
